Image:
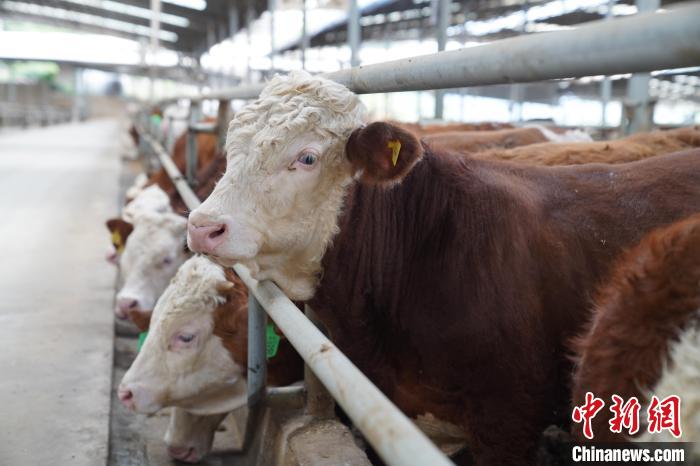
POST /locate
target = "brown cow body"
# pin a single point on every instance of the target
(437, 128)
(476, 141)
(457, 290)
(636, 147)
(650, 300)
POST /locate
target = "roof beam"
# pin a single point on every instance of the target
(83, 27)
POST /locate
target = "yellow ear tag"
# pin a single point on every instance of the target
(395, 147)
(117, 241)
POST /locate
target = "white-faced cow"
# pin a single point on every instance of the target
(153, 253)
(182, 362)
(150, 199)
(189, 436)
(453, 283)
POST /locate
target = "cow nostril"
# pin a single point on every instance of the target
(217, 233)
(126, 395)
(133, 304)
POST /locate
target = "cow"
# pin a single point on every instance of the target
(155, 250)
(437, 128)
(195, 354)
(206, 152)
(629, 149)
(643, 337)
(189, 437)
(476, 141)
(119, 231)
(150, 199)
(454, 283)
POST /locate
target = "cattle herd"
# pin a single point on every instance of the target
(486, 276)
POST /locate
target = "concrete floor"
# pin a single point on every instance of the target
(57, 186)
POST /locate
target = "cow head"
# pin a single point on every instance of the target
(149, 200)
(119, 231)
(155, 250)
(276, 208)
(189, 437)
(183, 362)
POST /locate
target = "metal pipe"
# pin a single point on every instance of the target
(394, 437)
(271, 6)
(249, 18)
(319, 403)
(155, 32)
(606, 84)
(186, 193)
(223, 115)
(354, 33)
(641, 114)
(644, 42)
(443, 22)
(304, 35)
(257, 365)
(191, 156)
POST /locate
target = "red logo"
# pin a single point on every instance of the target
(624, 415)
(587, 412)
(665, 415)
(661, 415)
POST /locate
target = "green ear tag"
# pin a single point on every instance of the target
(142, 338)
(272, 341)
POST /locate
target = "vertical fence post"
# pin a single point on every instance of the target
(319, 403)
(354, 33)
(257, 365)
(191, 158)
(443, 22)
(222, 119)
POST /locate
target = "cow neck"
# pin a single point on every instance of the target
(388, 237)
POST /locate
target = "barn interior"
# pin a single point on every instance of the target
(95, 94)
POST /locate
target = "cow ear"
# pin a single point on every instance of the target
(382, 152)
(142, 319)
(225, 288)
(120, 230)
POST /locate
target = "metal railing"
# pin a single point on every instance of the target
(644, 42)
(638, 43)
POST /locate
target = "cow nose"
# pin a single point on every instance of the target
(126, 304)
(205, 238)
(126, 396)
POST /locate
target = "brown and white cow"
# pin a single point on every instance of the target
(195, 353)
(454, 283)
(643, 338)
(477, 141)
(636, 147)
(155, 250)
(189, 437)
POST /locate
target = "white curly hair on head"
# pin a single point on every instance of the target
(296, 101)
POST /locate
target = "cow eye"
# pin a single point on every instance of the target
(307, 158)
(185, 337)
(167, 261)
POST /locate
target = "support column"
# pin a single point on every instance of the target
(443, 22)
(639, 111)
(271, 5)
(304, 35)
(354, 33)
